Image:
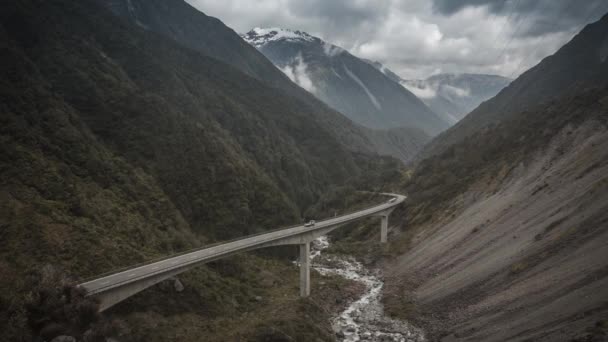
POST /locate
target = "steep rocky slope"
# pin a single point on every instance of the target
(343, 81)
(506, 229)
(580, 63)
(517, 251)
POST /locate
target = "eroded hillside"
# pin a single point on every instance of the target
(506, 239)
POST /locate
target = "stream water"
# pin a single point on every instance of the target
(363, 319)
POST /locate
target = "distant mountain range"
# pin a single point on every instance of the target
(450, 95)
(343, 81)
(578, 64)
(455, 95)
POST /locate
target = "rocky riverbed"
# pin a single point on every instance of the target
(363, 319)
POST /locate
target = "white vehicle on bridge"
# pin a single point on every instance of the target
(310, 223)
(392, 200)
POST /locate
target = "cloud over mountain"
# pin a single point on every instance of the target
(419, 38)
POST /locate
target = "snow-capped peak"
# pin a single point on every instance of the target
(261, 36)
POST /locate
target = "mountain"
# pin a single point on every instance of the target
(578, 64)
(182, 23)
(192, 28)
(452, 96)
(504, 235)
(343, 81)
(120, 145)
(455, 95)
(386, 71)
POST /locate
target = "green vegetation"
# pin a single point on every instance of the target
(118, 146)
(243, 298)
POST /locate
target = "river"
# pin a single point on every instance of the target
(363, 319)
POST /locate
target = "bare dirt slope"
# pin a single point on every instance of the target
(527, 261)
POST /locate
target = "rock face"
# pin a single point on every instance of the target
(343, 81)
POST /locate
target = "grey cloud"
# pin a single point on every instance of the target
(345, 12)
(417, 38)
(449, 7)
(537, 17)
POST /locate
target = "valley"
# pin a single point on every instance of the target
(416, 171)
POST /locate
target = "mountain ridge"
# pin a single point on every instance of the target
(181, 22)
(451, 95)
(343, 81)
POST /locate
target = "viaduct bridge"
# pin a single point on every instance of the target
(114, 288)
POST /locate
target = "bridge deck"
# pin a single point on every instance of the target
(121, 278)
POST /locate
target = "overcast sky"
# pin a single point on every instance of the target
(418, 38)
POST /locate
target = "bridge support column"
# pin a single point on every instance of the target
(305, 269)
(384, 229)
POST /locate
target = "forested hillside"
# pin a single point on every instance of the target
(120, 145)
(177, 20)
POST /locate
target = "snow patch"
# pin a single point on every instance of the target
(358, 81)
(335, 73)
(261, 36)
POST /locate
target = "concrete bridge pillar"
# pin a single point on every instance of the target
(384, 228)
(305, 269)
